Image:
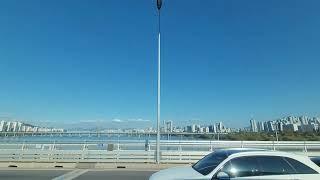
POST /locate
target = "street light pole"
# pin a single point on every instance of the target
(277, 138)
(159, 4)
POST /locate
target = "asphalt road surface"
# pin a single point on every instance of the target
(30, 174)
(117, 175)
(74, 174)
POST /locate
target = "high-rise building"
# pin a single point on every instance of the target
(2, 126)
(290, 127)
(23, 128)
(201, 130)
(315, 126)
(290, 119)
(279, 126)
(253, 125)
(305, 128)
(29, 129)
(316, 119)
(213, 128)
(193, 128)
(14, 126)
(19, 127)
(168, 126)
(303, 120)
(189, 129)
(260, 127)
(35, 129)
(266, 127)
(9, 124)
(198, 127)
(220, 127)
(271, 126)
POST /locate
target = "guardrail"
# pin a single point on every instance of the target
(138, 151)
(98, 156)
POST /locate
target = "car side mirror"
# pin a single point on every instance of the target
(222, 176)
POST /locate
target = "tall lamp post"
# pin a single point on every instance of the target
(159, 4)
(277, 138)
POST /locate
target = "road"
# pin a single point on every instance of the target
(117, 175)
(79, 174)
(30, 174)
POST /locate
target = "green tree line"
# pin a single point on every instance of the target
(263, 136)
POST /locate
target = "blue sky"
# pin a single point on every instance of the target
(95, 61)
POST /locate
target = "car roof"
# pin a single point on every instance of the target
(234, 152)
(263, 152)
(231, 151)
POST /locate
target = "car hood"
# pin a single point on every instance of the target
(177, 173)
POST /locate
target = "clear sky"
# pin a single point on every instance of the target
(95, 60)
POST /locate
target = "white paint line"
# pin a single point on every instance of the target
(71, 175)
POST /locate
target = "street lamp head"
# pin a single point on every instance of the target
(159, 4)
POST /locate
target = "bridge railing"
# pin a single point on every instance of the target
(98, 156)
(166, 145)
(138, 151)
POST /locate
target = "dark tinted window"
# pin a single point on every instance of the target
(316, 160)
(241, 167)
(300, 167)
(274, 165)
(210, 162)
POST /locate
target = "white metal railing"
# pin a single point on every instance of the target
(167, 145)
(100, 156)
(138, 151)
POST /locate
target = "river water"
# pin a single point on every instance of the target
(93, 138)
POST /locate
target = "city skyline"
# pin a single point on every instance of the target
(289, 123)
(17, 126)
(254, 125)
(222, 61)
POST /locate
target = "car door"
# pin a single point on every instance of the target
(302, 170)
(275, 168)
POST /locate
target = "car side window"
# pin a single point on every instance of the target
(316, 160)
(274, 165)
(300, 167)
(241, 167)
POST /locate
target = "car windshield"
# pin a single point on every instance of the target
(210, 162)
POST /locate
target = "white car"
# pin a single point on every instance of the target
(245, 164)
